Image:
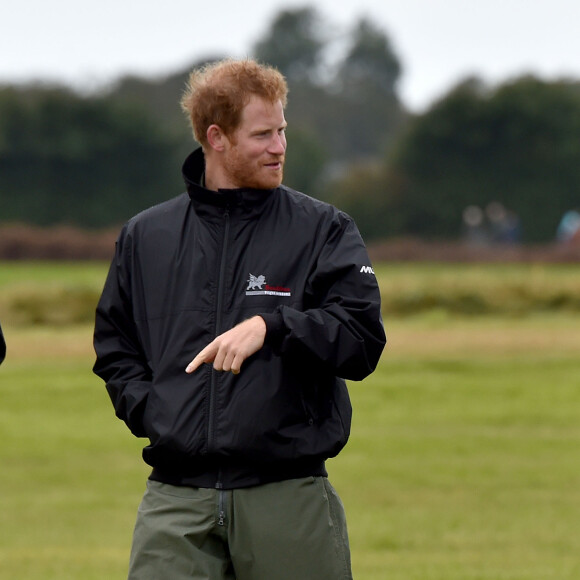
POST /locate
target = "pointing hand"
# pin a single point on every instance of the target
(229, 350)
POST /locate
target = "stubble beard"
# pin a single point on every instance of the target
(253, 175)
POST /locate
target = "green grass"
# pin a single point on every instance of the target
(463, 469)
(459, 466)
(463, 462)
(52, 273)
(50, 293)
(70, 474)
(479, 289)
(62, 293)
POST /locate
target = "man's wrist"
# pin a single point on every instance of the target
(275, 329)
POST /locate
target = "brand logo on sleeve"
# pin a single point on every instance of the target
(257, 286)
(367, 270)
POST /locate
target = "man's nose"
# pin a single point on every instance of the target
(278, 144)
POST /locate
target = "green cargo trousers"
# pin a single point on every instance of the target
(288, 530)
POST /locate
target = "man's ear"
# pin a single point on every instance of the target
(216, 137)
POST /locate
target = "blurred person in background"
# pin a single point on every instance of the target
(569, 227)
(229, 321)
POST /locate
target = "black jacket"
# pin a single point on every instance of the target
(191, 268)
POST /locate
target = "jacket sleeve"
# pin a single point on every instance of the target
(121, 361)
(2, 346)
(341, 327)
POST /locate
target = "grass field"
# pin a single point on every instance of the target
(463, 464)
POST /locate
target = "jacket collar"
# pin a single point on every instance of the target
(193, 170)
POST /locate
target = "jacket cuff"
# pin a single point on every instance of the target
(275, 329)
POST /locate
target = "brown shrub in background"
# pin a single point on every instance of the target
(25, 242)
(408, 250)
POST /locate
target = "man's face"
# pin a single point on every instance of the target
(254, 156)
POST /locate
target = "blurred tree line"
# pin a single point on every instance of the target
(95, 160)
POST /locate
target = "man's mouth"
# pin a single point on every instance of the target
(275, 164)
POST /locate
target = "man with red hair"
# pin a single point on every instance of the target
(230, 319)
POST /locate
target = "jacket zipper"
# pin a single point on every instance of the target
(218, 330)
(221, 503)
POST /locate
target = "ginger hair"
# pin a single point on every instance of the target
(218, 92)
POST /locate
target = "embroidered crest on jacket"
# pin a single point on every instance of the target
(257, 286)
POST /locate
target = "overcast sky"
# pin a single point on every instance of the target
(438, 41)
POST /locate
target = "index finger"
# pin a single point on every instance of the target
(198, 361)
